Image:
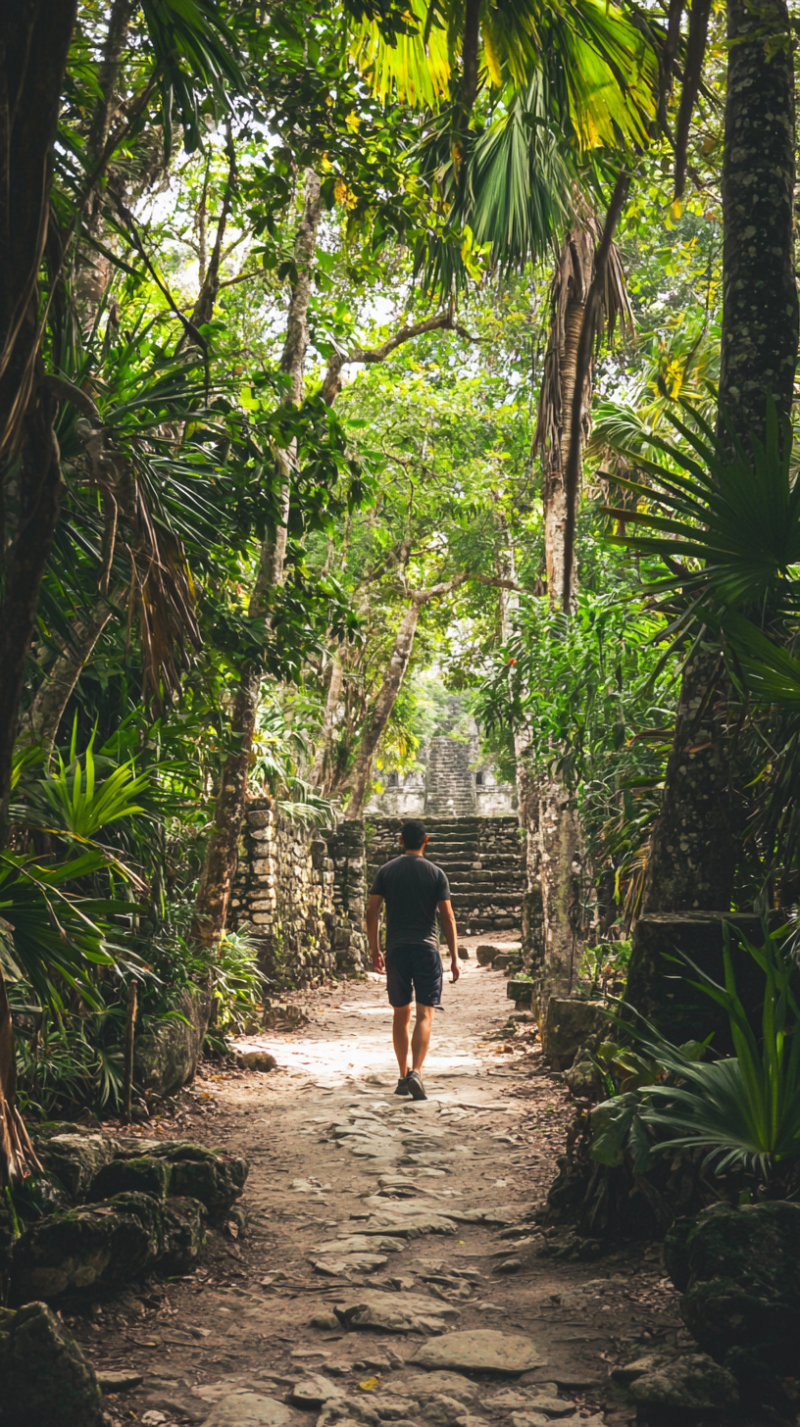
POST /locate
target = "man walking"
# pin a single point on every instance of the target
(414, 889)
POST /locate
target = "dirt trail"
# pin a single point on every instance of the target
(338, 1164)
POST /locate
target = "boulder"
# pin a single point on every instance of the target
(255, 1060)
(75, 1157)
(46, 1381)
(165, 1058)
(101, 1244)
(215, 1178)
(567, 1026)
(184, 1235)
(145, 1174)
(740, 1271)
(688, 1384)
(486, 953)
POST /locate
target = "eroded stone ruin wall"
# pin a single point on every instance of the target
(300, 892)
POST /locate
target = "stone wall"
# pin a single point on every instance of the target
(300, 893)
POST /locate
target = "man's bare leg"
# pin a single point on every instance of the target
(401, 1036)
(422, 1036)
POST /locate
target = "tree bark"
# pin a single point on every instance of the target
(759, 307)
(695, 843)
(43, 718)
(219, 867)
(568, 293)
(34, 40)
(319, 771)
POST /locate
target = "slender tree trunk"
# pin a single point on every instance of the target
(557, 842)
(34, 40)
(569, 291)
(380, 713)
(527, 787)
(43, 718)
(219, 868)
(319, 771)
(695, 843)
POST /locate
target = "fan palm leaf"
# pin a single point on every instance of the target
(600, 70)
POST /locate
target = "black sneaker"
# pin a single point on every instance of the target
(402, 1086)
(416, 1089)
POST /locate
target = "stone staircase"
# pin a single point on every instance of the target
(483, 859)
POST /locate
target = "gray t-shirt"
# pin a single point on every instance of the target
(412, 886)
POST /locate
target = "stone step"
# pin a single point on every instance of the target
(499, 862)
(485, 881)
(492, 899)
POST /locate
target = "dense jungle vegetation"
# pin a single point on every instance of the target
(357, 353)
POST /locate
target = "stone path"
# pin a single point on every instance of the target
(389, 1271)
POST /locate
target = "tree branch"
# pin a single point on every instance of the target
(443, 321)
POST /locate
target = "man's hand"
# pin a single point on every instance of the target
(455, 968)
(378, 963)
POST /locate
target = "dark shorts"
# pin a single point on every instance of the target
(418, 966)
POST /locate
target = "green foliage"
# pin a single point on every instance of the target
(743, 1110)
(596, 705)
(238, 985)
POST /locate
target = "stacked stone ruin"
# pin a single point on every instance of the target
(482, 857)
(300, 895)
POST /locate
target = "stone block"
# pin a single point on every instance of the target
(568, 1024)
(662, 991)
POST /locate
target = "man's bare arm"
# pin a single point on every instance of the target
(373, 922)
(449, 929)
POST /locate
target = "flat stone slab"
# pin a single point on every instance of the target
(481, 1350)
(250, 1409)
(352, 1263)
(315, 1390)
(395, 1312)
(503, 1214)
(111, 1381)
(428, 1384)
(362, 1244)
(410, 1227)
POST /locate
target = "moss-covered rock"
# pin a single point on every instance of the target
(46, 1381)
(75, 1157)
(85, 1248)
(215, 1178)
(741, 1272)
(184, 1235)
(145, 1174)
(166, 1057)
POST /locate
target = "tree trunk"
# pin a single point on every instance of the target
(381, 710)
(695, 843)
(759, 315)
(569, 291)
(319, 771)
(34, 41)
(219, 867)
(43, 718)
(693, 854)
(557, 842)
